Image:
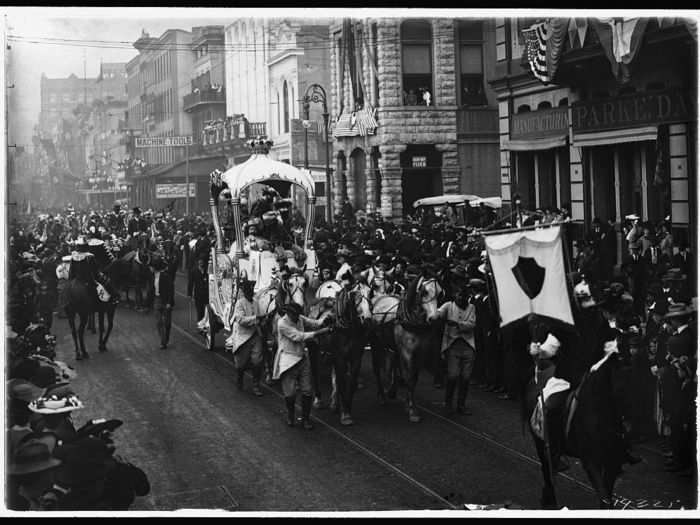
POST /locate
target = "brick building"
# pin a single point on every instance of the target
(414, 115)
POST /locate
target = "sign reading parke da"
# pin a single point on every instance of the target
(169, 142)
(174, 191)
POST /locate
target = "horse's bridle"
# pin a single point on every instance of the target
(437, 285)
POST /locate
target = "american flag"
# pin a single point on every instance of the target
(536, 46)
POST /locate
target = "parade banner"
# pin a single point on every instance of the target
(528, 267)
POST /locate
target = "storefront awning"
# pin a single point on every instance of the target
(617, 136)
(535, 144)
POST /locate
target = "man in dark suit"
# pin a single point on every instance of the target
(164, 294)
(636, 269)
(198, 287)
(678, 385)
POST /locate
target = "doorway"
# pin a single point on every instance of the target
(421, 176)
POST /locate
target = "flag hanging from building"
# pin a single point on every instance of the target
(544, 44)
(621, 39)
(530, 275)
(536, 48)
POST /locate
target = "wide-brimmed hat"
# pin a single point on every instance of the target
(34, 455)
(673, 274)
(678, 310)
(95, 427)
(55, 404)
(477, 284)
(24, 390)
(293, 308)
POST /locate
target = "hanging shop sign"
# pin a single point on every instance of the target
(170, 142)
(174, 191)
(636, 110)
(542, 123)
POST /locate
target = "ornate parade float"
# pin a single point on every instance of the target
(234, 256)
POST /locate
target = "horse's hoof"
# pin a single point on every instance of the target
(78, 357)
(86, 355)
(382, 400)
(346, 420)
(413, 417)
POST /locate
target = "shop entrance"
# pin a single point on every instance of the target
(421, 174)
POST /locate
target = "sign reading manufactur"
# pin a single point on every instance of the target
(541, 123)
(174, 191)
(168, 142)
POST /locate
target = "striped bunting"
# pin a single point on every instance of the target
(360, 122)
(536, 46)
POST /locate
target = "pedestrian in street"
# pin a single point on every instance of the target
(292, 364)
(246, 339)
(458, 347)
(163, 295)
(198, 287)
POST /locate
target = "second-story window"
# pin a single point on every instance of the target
(417, 63)
(471, 65)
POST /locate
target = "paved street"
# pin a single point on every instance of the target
(204, 444)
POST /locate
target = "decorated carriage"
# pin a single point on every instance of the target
(239, 255)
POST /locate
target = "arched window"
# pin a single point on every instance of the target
(523, 109)
(544, 105)
(417, 63)
(285, 94)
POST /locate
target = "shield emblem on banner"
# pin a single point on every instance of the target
(530, 276)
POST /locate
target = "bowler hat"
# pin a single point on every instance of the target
(34, 455)
(84, 459)
(477, 284)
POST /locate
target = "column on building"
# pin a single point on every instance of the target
(504, 133)
(680, 190)
(450, 167)
(389, 165)
(370, 177)
(340, 193)
(350, 179)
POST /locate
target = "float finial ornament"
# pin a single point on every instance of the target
(260, 145)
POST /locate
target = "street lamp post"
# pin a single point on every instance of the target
(316, 93)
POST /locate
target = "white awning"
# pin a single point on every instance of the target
(617, 136)
(535, 144)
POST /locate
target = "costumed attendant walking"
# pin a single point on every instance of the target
(246, 340)
(292, 364)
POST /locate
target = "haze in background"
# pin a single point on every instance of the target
(27, 60)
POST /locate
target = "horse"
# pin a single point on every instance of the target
(347, 342)
(132, 271)
(79, 299)
(585, 425)
(268, 302)
(399, 347)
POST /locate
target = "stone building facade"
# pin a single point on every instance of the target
(402, 78)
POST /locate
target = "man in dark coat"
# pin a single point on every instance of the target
(198, 287)
(164, 296)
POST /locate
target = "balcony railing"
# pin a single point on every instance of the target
(204, 97)
(230, 130)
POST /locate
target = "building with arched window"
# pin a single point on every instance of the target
(413, 113)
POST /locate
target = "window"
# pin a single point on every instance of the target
(285, 94)
(320, 189)
(471, 65)
(416, 63)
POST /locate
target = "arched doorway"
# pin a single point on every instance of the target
(421, 166)
(359, 177)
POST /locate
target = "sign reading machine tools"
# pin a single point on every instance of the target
(170, 142)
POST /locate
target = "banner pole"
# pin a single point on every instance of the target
(485, 233)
